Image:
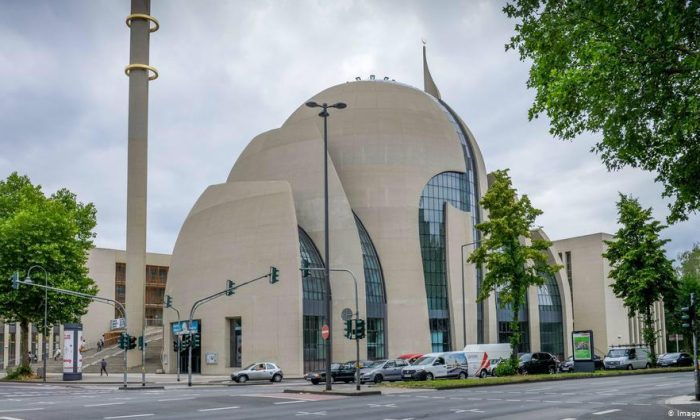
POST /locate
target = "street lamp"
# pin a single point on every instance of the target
(46, 306)
(324, 114)
(464, 304)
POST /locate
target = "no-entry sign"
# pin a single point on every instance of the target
(325, 332)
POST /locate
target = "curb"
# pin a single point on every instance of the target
(349, 393)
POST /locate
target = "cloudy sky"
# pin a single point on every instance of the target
(230, 70)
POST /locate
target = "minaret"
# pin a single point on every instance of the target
(140, 73)
(429, 86)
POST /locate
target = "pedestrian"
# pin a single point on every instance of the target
(103, 367)
(57, 353)
(99, 345)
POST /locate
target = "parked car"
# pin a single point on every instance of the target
(410, 357)
(675, 359)
(627, 357)
(339, 372)
(383, 370)
(258, 371)
(568, 364)
(437, 365)
(493, 363)
(538, 363)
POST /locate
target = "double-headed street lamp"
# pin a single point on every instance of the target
(46, 306)
(324, 114)
(464, 307)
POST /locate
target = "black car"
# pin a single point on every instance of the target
(675, 359)
(538, 363)
(344, 372)
(568, 364)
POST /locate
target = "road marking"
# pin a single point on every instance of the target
(129, 416)
(9, 418)
(290, 402)
(540, 389)
(666, 384)
(311, 413)
(641, 404)
(618, 403)
(473, 410)
(553, 402)
(14, 410)
(175, 399)
(513, 400)
(382, 405)
(475, 399)
(100, 405)
(218, 408)
(438, 398)
(599, 413)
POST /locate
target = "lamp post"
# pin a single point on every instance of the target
(324, 114)
(464, 304)
(46, 306)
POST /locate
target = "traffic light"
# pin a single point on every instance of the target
(688, 316)
(274, 275)
(196, 341)
(168, 301)
(304, 268)
(122, 341)
(359, 329)
(185, 342)
(175, 345)
(142, 344)
(131, 342)
(15, 280)
(348, 329)
(230, 287)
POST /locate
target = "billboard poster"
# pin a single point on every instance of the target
(583, 345)
(68, 351)
(79, 357)
(181, 328)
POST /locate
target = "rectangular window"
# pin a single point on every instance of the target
(314, 344)
(235, 342)
(375, 339)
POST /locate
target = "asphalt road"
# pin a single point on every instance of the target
(639, 397)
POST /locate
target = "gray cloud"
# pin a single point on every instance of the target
(231, 70)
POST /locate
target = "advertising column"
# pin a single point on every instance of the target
(583, 351)
(72, 355)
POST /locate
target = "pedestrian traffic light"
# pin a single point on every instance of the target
(142, 344)
(15, 280)
(688, 316)
(304, 268)
(196, 341)
(175, 345)
(348, 329)
(131, 342)
(185, 342)
(359, 329)
(168, 301)
(274, 275)
(230, 287)
(122, 341)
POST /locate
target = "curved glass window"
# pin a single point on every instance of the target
(314, 292)
(447, 187)
(504, 315)
(375, 293)
(551, 325)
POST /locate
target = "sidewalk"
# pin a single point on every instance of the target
(117, 378)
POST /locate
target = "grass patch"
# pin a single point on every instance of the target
(20, 374)
(472, 382)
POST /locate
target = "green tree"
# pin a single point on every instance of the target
(688, 273)
(626, 69)
(54, 232)
(512, 259)
(641, 273)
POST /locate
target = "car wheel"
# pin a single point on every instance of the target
(378, 379)
(552, 370)
(483, 374)
(462, 375)
(277, 378)
(629, 367)
(242, 379)
(315, 381)
(428, 376)
(235, 380)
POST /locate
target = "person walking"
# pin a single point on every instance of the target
(103, 367)
(57, 353)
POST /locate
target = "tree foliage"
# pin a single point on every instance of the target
(54, 232)
(641, 273)
(627, 69)
(688, 272)
(512, 259)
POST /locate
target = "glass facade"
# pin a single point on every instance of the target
(551, 325)
(314, 293)
(504, 315)
(375, 295)
(447, 187)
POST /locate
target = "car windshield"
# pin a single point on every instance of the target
(335, 365)
(618, 353)
(670, 356)
(375, 364)
(250, 366)
(424, 361)
(526, 357)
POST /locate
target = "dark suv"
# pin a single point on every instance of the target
(344, 372)
(538, 363)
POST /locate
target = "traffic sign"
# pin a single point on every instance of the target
(346, 314)
(325, 332)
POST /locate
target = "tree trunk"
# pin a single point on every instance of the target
(515, 327)
(649, 332)
(24, 346)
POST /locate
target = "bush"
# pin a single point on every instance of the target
(20, 373)
(506, 368)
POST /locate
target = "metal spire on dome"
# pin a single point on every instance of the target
(428, 84)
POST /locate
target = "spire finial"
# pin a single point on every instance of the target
(428, 84)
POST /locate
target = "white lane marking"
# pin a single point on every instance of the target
(599, 413)
(569, 418)
(9, 418)
(438, 398)
(473, 410)
(513, 400)
(131, 415)
(618, 403)
(218, 408)
(290, 402)
(475, 399)
(540, 389)
(553, 402)
(665, 384)
(101, 404)
(15, 410)
(175, 399)
(641, 404)
(311, 413)
(382, 405)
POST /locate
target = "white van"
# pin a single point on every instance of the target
(431, 366)
(480, 357)
(628, 357)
